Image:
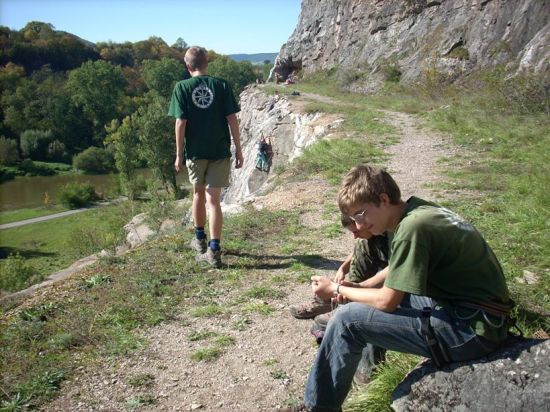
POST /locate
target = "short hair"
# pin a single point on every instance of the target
(196, 57)
(365, 184)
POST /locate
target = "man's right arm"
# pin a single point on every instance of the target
(180, 139)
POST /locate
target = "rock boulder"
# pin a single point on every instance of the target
(515, 378)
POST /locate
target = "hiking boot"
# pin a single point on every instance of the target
(198, 245)
(319, 326)
(212, 257)
(322, 320)
(310, 309)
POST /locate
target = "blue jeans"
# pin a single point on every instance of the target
(356, 325)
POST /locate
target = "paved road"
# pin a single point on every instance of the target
(42, 218)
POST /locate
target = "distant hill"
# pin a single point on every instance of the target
(257, 58)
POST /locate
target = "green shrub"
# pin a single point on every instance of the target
(8, 151)
(6, 174)
(94, 160)
(34, 143)
(15, 273)
(57, 152)
(30, 168)
(460, 53)
(392, 73)
(75, 195)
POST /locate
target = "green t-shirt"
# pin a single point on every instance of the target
(205, 102)
(435, 253)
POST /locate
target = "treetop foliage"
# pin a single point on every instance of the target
(60, 94)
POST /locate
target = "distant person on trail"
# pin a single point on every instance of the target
(444, 295)
(205, 111)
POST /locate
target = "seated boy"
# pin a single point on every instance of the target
(444, 294)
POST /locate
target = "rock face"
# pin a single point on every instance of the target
(364, 38)
(516, 378)
(289, 130)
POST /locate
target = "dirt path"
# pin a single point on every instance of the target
(269, 362)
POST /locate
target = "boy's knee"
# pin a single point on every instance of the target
(352, 312)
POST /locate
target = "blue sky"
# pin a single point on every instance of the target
(228, 27)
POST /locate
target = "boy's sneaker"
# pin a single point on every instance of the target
(213, 258)
(310, 309)
(198, 245)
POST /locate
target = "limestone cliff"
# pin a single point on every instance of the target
(363, 37)
(288, 128)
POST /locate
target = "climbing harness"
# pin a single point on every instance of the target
(437, 350)
(501, 311)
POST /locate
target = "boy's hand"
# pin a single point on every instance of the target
(341, 299)
(340, 275)
(323, 287)
(178, 164)
(239, 160)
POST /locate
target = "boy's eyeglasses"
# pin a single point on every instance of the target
(359, 217)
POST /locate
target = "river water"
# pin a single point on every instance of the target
(30, 192)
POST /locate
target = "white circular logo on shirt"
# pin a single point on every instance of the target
(202, 96)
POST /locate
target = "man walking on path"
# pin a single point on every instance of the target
(205, 111)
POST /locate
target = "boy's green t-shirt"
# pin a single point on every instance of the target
(205, 102)
(435, 253)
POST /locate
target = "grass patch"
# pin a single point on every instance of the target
(376, 396)
(142, 379)
(53, 245)
(333, 158)
(206, 311)
(141, 400)
(261, 308)
(200, 335)
(264, 292)
(24, 214)
(206, 354)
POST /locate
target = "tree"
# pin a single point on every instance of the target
(98, 88)
(124, 140)
(34, 143)
(8, 151)
(157, 144)
(162, 75)
(179, 44)
(94, 160)
(238, 74)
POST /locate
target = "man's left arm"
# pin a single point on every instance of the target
(385, 299)
(236, 134)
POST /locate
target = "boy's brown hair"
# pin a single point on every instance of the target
(365, 184)
(197, 58)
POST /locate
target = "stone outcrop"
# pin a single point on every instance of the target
(363, 38)
(515, 378)
(289, 130)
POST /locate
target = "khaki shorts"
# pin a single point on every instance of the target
(212, 173)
